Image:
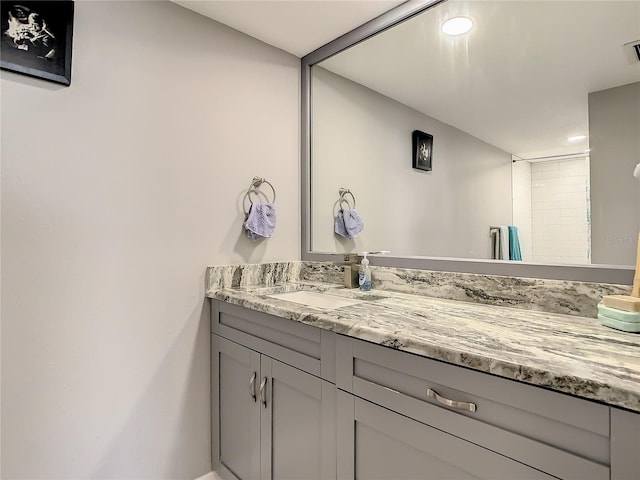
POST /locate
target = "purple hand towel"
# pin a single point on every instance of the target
(338, 224)
(347, 223)
(261, 221)
(353, 223)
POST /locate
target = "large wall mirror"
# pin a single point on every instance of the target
(534, 119)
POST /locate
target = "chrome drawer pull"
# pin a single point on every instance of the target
(252, 387)
(263, 393)
(471, 407)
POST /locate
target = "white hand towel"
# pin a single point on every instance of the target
(504, 243)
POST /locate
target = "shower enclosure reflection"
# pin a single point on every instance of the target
(551, 207)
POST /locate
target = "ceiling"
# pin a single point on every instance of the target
(295, 26)
(518, 80)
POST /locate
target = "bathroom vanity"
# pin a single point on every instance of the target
(400, 385)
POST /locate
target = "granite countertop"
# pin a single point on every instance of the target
(568, 354)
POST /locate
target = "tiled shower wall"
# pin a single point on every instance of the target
(521, 182)
(559, 206)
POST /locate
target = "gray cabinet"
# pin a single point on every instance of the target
(559, 435)
(625, 439)
(237, 436)
(376, 443)
(271, 420)
(297, 424)
(291, 401)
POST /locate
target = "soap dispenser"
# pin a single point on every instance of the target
(364, 278)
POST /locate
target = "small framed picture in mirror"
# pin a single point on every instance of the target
(422, 150)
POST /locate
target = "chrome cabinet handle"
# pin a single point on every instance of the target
(471, 407)
(252, 387)
(263, 393)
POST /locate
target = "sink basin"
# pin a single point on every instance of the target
(316, 299)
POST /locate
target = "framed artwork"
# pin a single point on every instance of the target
(36, 38)
(422, 150)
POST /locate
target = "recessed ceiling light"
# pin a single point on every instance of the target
(577, 138)
(457, 26)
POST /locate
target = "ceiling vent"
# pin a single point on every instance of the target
(632, 49)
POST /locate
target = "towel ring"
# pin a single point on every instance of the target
(253, 188)
(345, 191)
(339, 203)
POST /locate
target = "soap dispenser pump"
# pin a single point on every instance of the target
(364, 277)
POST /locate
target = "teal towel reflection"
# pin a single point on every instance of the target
(514, 244)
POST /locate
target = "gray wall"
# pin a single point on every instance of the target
(362, 141)
(614, 139)
(117, 192)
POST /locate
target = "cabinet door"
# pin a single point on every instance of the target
(236, 412)
(625, 438)
(298, 424)
(374, 442)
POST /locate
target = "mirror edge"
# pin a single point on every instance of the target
(621, 275)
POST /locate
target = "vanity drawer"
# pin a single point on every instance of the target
(301, 346)
(562, 435)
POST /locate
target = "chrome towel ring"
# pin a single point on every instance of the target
(254, 186)
(345, 191)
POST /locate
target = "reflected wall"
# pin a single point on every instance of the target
(614, 131)
(361, 140)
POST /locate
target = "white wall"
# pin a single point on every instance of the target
(614, 138)
(521, 181)
(551, 210)
(117, 192)
(362, 141)
(559, 211)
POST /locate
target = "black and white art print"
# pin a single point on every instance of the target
(37, 38)
(422, 150)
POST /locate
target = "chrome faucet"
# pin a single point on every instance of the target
(351, 270)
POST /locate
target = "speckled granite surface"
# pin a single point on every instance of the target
(543, 295)
(569, 354)
(552, 296)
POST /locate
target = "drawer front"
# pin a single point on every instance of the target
(387, 445)
(290, 342)
(562, 435)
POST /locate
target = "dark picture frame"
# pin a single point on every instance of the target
(422, 144)
(36, 38)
